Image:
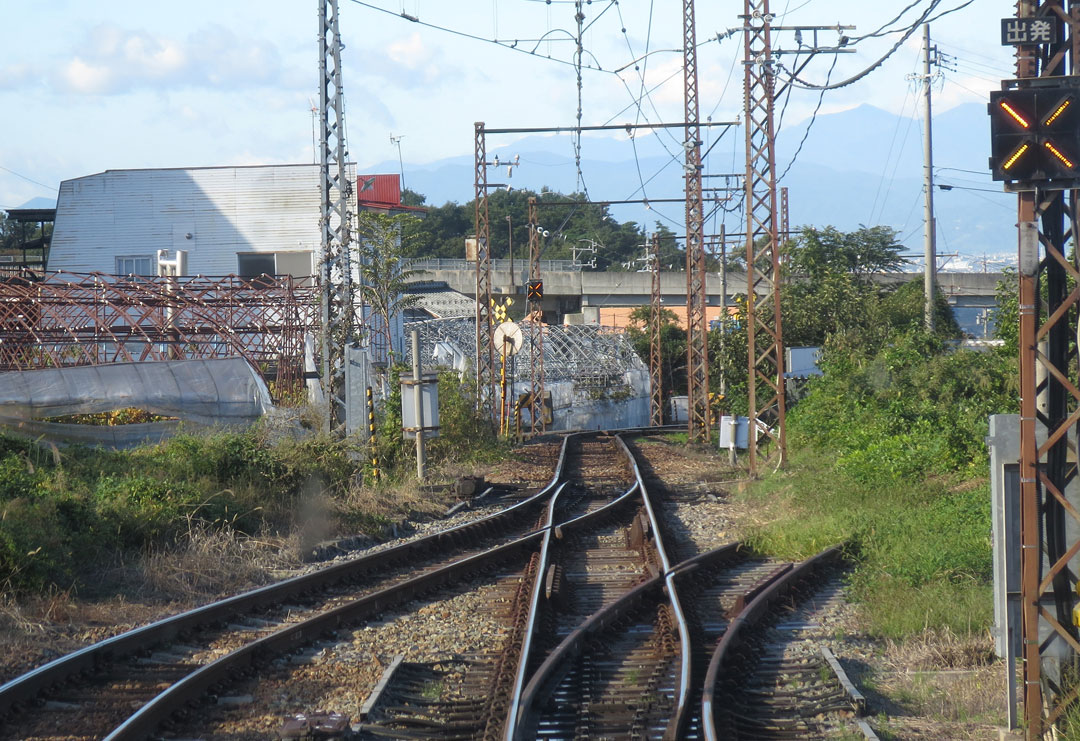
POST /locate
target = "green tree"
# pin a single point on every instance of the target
(860, 253)
(1007, 316)
(672, 346)
(830, 289)
(383, 242)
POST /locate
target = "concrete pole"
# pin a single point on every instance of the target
(417, 398)
(930, 271)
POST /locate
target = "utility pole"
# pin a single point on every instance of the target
(485, 328)
(697, 348)
(336, 300)
(1035, 147)
(656, 372)
(929, 227)
(534, 294)
(765, 338)
(723, 303)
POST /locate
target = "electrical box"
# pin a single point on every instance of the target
(742, 432)
(429, 405)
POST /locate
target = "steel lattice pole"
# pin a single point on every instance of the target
(337, 307)
(656, 375)
(765, 348)
(697, 352)
(485, 346)
(1048, 324)
(536, 326)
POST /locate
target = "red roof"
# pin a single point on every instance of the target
(381, 192)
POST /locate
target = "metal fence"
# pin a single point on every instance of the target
(453, 263)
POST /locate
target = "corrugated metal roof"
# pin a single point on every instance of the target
(383, 190)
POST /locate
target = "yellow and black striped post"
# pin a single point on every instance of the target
(371, 433)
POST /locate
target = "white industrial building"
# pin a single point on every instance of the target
(243, 220)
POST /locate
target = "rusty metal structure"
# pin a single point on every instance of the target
(697, 328)
(785, 225)
(765, 344)
(71, 319)
(656, 373)
(535, 324)
(1050, 402)
(485, 327)
(338, 312)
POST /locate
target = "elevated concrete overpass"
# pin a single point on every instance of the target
(571, 291)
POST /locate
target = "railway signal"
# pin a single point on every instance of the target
(1035, 134)
(535, 290)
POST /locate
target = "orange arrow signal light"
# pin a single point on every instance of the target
(1015, 156)
(1015, 115)
(1057, 153)
(1061, 108)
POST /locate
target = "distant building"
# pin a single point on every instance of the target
(245, 220)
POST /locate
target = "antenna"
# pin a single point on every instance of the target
(401, 166)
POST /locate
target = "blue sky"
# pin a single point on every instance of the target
(89, 86)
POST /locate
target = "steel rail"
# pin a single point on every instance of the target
(26, 687)
(534, 603)
(548, 675)
(751, 615)
(679, 717)
(513, 718)
(194, 685)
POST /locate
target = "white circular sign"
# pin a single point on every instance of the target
(508, 338)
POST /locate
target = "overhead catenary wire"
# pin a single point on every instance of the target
(464, 34)
(793, 79)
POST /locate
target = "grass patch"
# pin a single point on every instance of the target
(179, 507)
(63, 511)
(887, 455)
(922, 553)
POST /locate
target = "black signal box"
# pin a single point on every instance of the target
(534, 290)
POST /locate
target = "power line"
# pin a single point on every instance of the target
(793, 79)
(505, 45)
(813, 117)
(29, 180)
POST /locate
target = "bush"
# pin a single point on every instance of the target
(888, 454)
(60, 513)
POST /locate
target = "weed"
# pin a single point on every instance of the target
(432, 690)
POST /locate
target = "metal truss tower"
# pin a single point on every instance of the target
(697, 348)
(535, 323)
(1050, 401)
(765, 345)
(338, 313)
(656, 375)
(485, 345)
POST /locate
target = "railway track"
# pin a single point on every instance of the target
(90, 693)
(595, 640)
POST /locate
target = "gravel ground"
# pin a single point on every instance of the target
(907, 696)
(338, 677)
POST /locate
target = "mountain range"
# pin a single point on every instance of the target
(862, 166)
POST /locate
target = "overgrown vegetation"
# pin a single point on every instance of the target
(62, 511)
(888, 454)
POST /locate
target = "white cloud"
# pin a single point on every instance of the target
(408, 63)
(114, 60)
(16, 75)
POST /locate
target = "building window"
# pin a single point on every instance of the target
(252, 265)
(135, 265)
